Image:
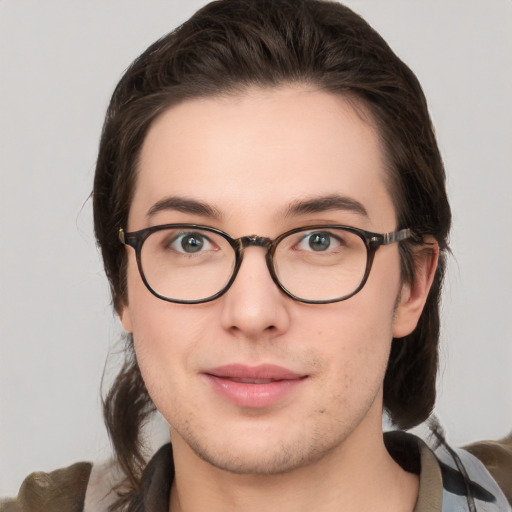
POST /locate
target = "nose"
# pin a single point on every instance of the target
(254, 307)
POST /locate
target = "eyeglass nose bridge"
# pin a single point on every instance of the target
(254, 241)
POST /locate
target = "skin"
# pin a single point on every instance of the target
(325, 437)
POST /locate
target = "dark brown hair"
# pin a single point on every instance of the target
(224, 48)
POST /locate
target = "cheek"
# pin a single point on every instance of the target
(164, 334)
(166, 338)
(352, 351)
(156, 324)
(355, 336)
(357, 342)
(350, 339)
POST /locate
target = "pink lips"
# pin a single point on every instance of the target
(253, 386)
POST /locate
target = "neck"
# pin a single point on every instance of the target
(355, 476)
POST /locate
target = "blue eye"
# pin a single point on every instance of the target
(190, 243)
(319, 241)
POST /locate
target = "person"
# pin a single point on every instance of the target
(270, 204)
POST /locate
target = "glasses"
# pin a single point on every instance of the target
(191, 264)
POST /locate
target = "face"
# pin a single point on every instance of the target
(254, 382)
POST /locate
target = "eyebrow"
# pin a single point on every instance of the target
(299, 207)
(184, 205)
(325, 203)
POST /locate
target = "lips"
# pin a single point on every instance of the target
(253, 386)
(268, 372)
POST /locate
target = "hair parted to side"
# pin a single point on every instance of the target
(224, 48)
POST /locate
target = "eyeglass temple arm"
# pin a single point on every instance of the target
(397, 236)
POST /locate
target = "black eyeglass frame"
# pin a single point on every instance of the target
(372, 241)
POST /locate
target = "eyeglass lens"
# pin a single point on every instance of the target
(194, 264)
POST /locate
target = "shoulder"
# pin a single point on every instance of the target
(452, 479)
(466, 479)
(62, 490)
(81, 487)
(497, 458)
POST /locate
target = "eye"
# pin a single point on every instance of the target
(319, 241)
(190, 243)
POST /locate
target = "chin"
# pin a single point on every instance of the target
(251, 462)
(262, 452)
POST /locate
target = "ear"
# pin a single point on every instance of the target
(414, 295)
(125, 317)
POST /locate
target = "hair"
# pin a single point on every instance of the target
(226, 47)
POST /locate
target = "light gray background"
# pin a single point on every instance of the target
(59, 61)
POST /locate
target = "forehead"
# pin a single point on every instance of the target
(255, 153)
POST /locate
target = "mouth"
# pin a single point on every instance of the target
(253, 386)
(263, 372)
(250, 381)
